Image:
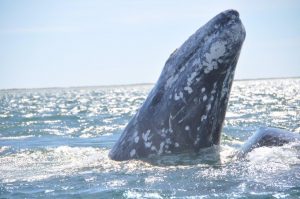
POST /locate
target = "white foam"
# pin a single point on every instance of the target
(16, 137)
(30, 166)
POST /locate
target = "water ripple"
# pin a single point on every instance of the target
(54, 143)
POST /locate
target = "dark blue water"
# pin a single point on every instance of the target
(54, 144)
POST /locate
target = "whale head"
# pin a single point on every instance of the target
(186, 108)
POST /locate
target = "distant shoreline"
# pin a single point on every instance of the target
(131, 85)
(267, 78)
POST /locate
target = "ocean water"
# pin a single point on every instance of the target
(54, 143)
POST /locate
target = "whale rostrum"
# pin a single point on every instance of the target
(186, 108)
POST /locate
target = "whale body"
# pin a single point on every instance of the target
(267, 136)
(185, 110)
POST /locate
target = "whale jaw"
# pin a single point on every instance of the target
(186, 108)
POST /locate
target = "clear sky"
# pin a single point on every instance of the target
(93, 42)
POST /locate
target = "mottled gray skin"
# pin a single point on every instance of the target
(186, 108)
(267, 137)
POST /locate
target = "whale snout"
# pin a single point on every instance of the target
(231, 14)
(224, 42)
(228, 22)
(231, 26)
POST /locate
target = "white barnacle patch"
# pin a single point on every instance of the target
(204, 98)
(171, 80)
(187, 128)
(208, 69)
(197, 140)
(176, 97)
(153, 148)
(170, 123)
(180, 121)
(145, 136)
(212, 98)
(163, 132)
(191, 78)
(181, 95)
(196, 62)
(210, 66)
(168, 141)
(182, 69)
(136, 139)
(203, 90)
(208, 107)
(217, 50)
(176, 144)
(203, 117)
(188, 89)
(161, 148)
(148, 144)
(132, 152)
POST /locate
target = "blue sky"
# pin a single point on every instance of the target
(93, 42)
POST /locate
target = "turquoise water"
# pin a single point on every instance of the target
(54, 144)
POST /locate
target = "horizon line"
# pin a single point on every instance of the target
(133, 84)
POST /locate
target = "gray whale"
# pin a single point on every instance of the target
(186, 108)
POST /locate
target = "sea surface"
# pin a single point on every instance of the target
(54, 143)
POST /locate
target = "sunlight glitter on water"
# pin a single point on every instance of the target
(54, 143)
